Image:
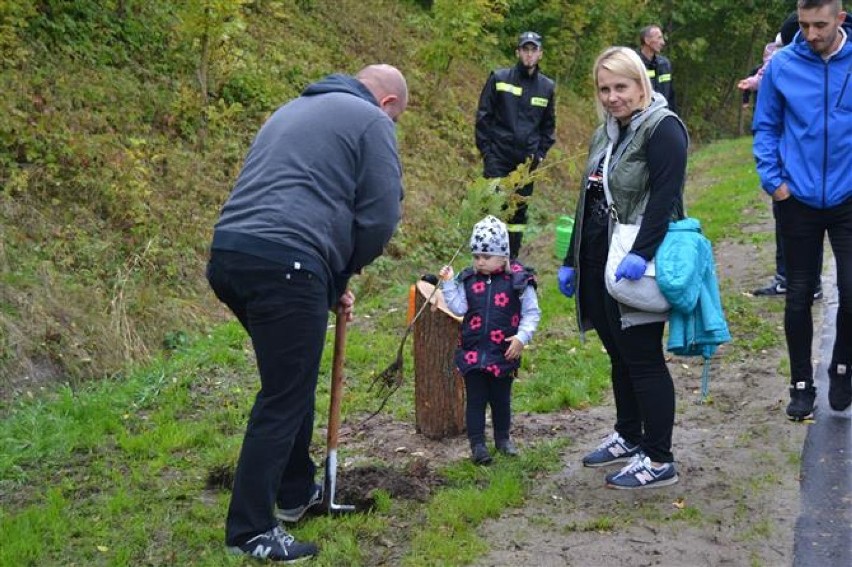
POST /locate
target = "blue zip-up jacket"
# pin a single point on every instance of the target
(803, 124)
(686, 274)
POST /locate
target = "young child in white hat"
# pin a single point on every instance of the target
(498, 301)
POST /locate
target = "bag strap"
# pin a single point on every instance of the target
(605, 174)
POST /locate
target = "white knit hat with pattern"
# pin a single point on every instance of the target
(491, 237)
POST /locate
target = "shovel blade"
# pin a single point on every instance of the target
(330, 486)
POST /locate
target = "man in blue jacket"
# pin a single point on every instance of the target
(317, 199)
(803, 149)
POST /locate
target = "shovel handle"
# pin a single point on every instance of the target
(336, 379)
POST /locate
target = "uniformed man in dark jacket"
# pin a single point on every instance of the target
(515, 121)
(659, 68)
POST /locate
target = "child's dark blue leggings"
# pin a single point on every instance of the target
(483, 388)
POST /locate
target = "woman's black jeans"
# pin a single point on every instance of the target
(641, 382)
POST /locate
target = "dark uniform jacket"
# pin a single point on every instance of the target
(660, 72)
(516, 119)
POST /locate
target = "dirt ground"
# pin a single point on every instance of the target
(737, 457)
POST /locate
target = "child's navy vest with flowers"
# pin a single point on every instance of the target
(493, 315)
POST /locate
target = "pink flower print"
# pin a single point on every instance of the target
(497, 336)
(501, 299)
(475, 322)
(471, 357)
(516, 320)
(478, 287)
(493, 369)
(516, 268)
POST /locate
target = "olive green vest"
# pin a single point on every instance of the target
(628, 174)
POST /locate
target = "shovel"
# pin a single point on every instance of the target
(330, 484)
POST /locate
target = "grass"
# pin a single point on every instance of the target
(117, 472)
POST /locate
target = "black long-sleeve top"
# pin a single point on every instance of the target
(666, 152)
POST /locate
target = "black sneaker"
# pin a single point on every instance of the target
(507, 447)
(839, 387)
(778, 286)
(479, 454)
(801, 406)
(293, 515)
(276, 545)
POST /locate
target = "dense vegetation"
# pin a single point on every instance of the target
(123, 124)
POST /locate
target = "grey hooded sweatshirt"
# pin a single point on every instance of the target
(321, 184)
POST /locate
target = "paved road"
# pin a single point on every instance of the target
(823, 533)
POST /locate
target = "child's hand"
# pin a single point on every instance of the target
(446, 273)
(515, 348)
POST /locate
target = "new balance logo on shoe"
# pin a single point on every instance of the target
(617, 450)
(644, 477)
(262, 551)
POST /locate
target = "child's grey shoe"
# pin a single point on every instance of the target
(480, 454)
(507, 447)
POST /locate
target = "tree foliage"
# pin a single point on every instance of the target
(711, 43)
(106, 202)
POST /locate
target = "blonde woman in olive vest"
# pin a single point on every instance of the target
(646, 145)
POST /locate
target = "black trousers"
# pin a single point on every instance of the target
(285, 312)
(802, 231)
(641, 382)
(483, 389)
(517, 223)
(780, 263)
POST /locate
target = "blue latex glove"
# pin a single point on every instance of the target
(566, 280)
(632, 267)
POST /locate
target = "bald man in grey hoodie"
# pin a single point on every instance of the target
(318, 198)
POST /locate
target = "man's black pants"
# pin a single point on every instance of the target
(803, 230)
(285, 312)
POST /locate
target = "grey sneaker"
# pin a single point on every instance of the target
(293, 515)
(640, 473)
(614, 449)
(506, 447)
(276, 545)
(479, 454)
